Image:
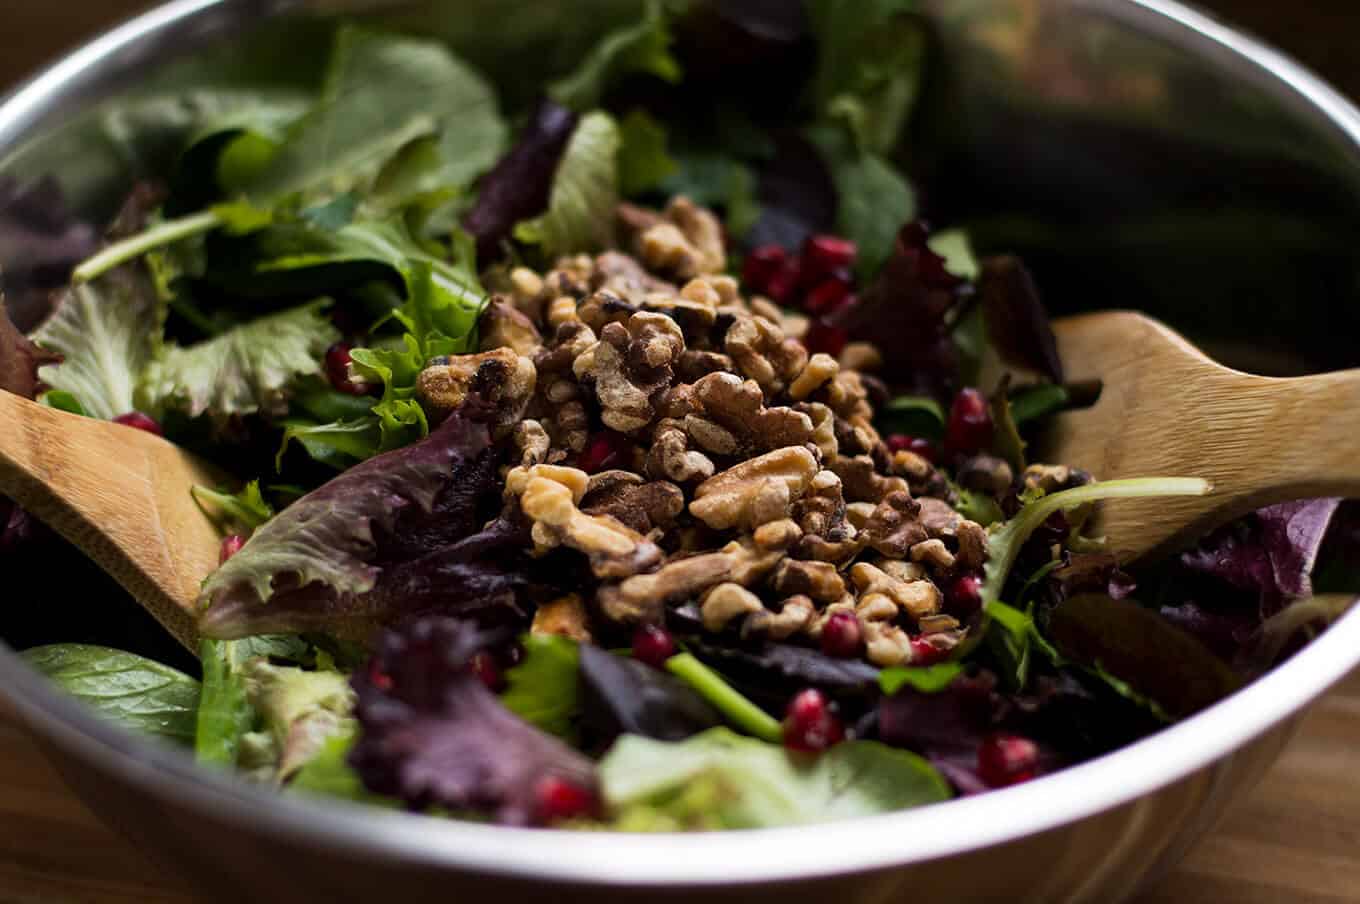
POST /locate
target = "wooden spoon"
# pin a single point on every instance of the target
(1168, 410)
(119, 494)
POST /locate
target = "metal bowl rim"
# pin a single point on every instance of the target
(767, 855)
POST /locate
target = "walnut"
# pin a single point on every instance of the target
(549, 497)
(629, 366)
(641, 506)
(938, 624)
(565, 616)
(827, 535)
(762, 353)
(504, 326)
(526, 292)
(915, 468)
(560, 310)
(695, 364)
(814, 628)
(531, 443)
(886, 645)
(685, 242)
(859, 513)
(860, 356)
(972, 554)
(670, 457)
(625, 277)
(823, 428)
(570, 341)
(918, 598)
(727, 601)
(818, 580)
(641, 598)
(795, 615)
(1053, 478)
(756, 491)
(820, 368)
(604, 307)
(847, 395)
(861, 482)
(938, 517)
(502, 377)
(894, 526)
(985, 474)
(876, 607)
(933, 553)
(570, 276)
(735, 421)
(903, 571)
(569, 427)
(694, 318)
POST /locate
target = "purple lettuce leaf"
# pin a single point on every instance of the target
(389, 537)
(796, 193)
(432, 734)
(40, 242)
(1017, 323)
(518, 187)
(621, 695)
(19, 362)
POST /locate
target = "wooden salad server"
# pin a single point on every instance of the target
(119, 494)
(1166, 409)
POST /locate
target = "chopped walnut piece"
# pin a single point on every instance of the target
(915, 468)
(670, 457)
(549, 498)
(502, 377)
(818, 580)
(526, 292)
(895, 526)
(725, 602)
(735, 421)
(763, 354)
(814, 628)
(820, 368)
(860, 356)
(685, 242)
(972, 553)
(795, 615)
(641, 598)
(903, 571)
(502, 325)
(938, 624)
(695, 364)
(876, 607)
(531, 443)
(624, 276)
(603, 307)
(886, 645)
(861, 482)
(934, 554)
(561, 310)
(938, 517)
(985, 474)
(859, 513)
(756, 491)
(847, 395)
(1053, 478)
(827, 535)
(629, 366)
(823, 428)
(780, 535)
(565, 616)
(918, 598)
(624, 496)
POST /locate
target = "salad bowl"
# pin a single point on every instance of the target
(1137, 153)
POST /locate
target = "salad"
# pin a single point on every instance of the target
(617, 457)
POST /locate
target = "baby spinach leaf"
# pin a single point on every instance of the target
(874, 199)
(137, 693)
(644, 163)
(585, 191)
(234, 512)
(1034, 402)
(640, 48)
(543, 689)
(913, 415)
(753, 784)
(338, 443)
(329, 774)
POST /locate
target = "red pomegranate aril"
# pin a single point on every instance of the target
(1007, 759)
(823, 337)
(604, 451)
(823, 255)
(901, 442)
(559, 799)
(925, 653)
(484, 666)
(379, 679)
(970, 423)
(783, 285)
(139, 421)
(653, 645)
(230, 547)
(842, 635)
(965, 594)
(337, 370)
(760, 267)
(826, 296)
(810, 723)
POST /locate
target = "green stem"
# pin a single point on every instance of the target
(131, 248)
(742, 713)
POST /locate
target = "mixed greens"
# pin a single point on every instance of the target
(613, 457)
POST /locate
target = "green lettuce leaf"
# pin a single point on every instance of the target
(719, 779)
(225, 714)
(107, 332)
(245, 370)
(875, 200)
(137, 693)
(337, 443)
(301, 710)
(640, 48)
(328, 774)
(234, 513)
(543, 689)
(644, 163)
(585, 191)
(928, 679)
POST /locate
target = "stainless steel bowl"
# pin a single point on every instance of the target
(1138, 152)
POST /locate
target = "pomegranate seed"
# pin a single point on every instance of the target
(784, 283)
(1007, 759)
(965, 594)
(822, 255)
(230, 547)
(823, 337)
(970, 423)
(484, 666)
(559, 799)
(842, 635)
(337, 370)
(925, 653)
(604, 451)
(653, 645)
(827, 296)
(380, 679)
(760, 267)
(139, 421)
(901, 442)
(810, 724)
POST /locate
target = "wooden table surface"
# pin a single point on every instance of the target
(1295, 838)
